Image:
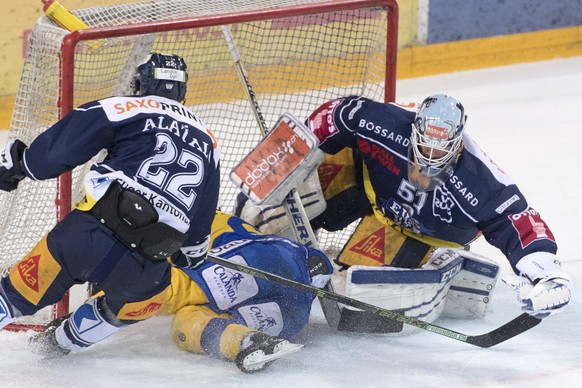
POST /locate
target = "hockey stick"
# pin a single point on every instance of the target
(509, 330)
(292, 203)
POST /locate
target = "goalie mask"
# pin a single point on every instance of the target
(161, 75)
(436, 141)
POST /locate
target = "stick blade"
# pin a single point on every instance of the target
(519, 325)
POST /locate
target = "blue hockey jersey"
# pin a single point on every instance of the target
(155, 146)
(478, 198)
(254, 302)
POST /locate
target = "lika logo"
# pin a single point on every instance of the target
(372, 246)
(327, 172)
(147, 310)
(28, 271)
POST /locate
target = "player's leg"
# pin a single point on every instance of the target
(39, 279)
(136, 288)
(200, 330)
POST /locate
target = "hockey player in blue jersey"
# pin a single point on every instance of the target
(155, 191)
(415, 170)
(234, 316)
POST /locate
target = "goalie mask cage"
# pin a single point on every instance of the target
(297, 54)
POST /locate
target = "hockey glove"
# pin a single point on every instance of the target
(11, 170)
(542, 288)
(179, 259)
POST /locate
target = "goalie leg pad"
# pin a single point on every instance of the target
(419, 293)
(470, 293)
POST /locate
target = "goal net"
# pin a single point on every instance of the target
(297, 54)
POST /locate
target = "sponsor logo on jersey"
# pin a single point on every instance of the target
(372, 246)
(229, 287)
(370, 126)
(127, 107)
(443, 204)
(138, 311)
(149, 309)
(385, 158)
(34, 274)
(506, 204)
(356, 109)
(28, 271)
(266, 317)
(321, 121)
(327, 172)
(463, 190)
(530, 227)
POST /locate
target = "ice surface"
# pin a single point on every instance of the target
(526, 118)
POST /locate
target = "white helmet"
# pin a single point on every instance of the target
(436, 141)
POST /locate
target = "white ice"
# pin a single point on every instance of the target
(526, 117)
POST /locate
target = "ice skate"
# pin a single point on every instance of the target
(45, 343)
(262, 351)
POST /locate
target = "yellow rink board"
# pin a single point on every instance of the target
(441, 58)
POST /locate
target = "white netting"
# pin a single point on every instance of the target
(293, 63)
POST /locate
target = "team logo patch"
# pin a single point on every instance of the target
(530, 227)
(443, 204)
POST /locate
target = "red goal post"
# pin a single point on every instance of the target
(297, 53)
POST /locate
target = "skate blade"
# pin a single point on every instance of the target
(259, 358)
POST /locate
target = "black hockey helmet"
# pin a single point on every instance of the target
(163, 75)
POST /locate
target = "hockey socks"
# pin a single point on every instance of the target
(84, 327)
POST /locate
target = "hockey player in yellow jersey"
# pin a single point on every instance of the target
(234, 316)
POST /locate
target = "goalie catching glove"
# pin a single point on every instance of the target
(542, 287)
(11, 169)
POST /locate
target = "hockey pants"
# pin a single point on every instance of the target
(79, 249)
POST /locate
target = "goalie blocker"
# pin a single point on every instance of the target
(279, 163)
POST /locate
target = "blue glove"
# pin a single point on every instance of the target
(11, 170)
(542, 288)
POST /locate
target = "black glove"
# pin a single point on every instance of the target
(181, 260)
(11, 169)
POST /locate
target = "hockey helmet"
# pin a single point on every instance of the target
(320, 268)
(436, 141)
(162, 75)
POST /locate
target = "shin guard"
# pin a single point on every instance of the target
(89, 324)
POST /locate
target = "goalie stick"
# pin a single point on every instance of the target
(507, 331)
(292, 203)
